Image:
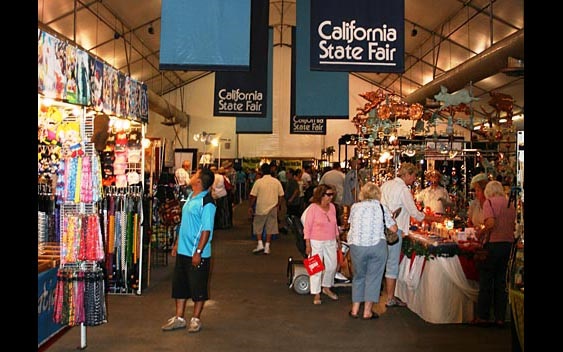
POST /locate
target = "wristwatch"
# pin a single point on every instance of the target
(198, 251)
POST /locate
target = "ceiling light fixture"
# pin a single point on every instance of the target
(150, 29)
(414, 31)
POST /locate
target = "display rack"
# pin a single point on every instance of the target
(124, 233)
(80, 293)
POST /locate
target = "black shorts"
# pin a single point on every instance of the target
(189, 281)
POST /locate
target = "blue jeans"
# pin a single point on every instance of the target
(368, 265)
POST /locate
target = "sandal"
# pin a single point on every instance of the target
(331, 295)
(395, 303)
(373, 316)
(352, 315)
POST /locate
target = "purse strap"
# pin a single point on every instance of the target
(383, 212)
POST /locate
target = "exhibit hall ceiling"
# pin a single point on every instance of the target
(461, 44)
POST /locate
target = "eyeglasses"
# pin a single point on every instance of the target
(328, 194)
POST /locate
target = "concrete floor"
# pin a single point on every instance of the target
(252, 309)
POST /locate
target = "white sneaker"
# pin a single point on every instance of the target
(258, 249)
(195, 325)
(174, 323)
(266, 250)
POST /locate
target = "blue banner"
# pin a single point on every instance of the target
(244, 93)
(358, 35)
(315, 94)
(261, 124)
(205, 35)
(46, 285)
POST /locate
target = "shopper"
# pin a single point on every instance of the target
(500, 222)
(335, 177)
(182, 176)
(219, 193)
(323, 238)
(475, 209)
(368, 248)
(351, 185)
(192, 250)
(396, 194)
(292, 194)
(265, 198)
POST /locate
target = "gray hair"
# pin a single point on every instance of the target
(494, 188)
(370, 191)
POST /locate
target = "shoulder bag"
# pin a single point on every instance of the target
(392, 237)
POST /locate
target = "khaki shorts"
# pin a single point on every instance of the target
(268, 221)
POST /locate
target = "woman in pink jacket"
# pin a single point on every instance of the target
(500, 222)
(322, 237)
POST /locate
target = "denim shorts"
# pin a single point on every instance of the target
(392, 267)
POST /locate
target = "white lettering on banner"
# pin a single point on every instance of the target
(302, 125)
(235, 100)
(46, 300)
(378, 41)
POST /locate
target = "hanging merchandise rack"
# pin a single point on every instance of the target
(123, 216)
(80, 291)
(121, 208)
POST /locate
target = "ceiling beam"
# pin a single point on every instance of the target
(481, 66)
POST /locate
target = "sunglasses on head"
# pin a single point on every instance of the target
(328, 194)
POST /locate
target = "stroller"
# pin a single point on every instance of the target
(297, 276)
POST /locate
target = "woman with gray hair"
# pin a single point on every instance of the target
(368, 248)
(499, 224)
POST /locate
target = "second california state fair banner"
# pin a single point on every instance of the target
(244, 94)
(357, 35)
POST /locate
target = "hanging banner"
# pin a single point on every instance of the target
(46, 286)
(358, 35)
(201, 35)
(50, 68)
(261, 124)
(303, 125)
(314, 94)
(70, 74)
(144, 103)
(244, 93)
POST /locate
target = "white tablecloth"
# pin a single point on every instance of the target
(442, 294)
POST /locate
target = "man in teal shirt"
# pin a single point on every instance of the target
(193, 252)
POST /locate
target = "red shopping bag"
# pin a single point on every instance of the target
(313, 264)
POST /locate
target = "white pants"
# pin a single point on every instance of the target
(327, 251)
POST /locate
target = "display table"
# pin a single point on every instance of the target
(441, 294)
(438, 284)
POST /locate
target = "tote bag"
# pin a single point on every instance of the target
(313, 264)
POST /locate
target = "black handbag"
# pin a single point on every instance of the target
(392, 237)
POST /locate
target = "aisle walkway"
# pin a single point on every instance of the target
(252, 309)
